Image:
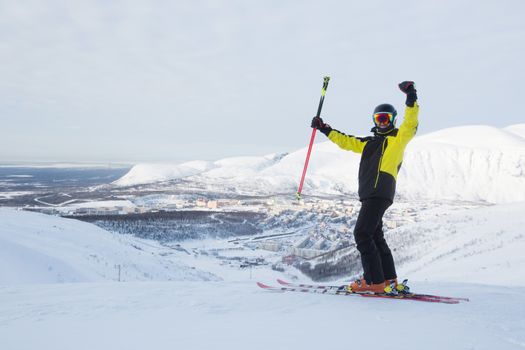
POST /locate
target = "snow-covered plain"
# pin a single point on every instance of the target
(473, 253)
(476, 163)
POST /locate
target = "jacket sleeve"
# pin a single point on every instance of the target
(347, 142)
(408, 128)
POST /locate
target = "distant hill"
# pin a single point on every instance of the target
(471, 163)
(517, 129)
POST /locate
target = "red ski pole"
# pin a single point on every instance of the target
(312, 138)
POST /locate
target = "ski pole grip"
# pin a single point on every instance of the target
(323, 92)
(325, 85)
(325, 82)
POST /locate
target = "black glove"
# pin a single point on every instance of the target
(317, 123)
(409, 88)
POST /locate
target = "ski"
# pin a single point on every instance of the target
(336, 287)
(347, 293)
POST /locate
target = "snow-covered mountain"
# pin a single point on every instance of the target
(475, 163)
(517, 129)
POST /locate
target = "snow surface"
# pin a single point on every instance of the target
(220, 315)
(483, 245)
(147, 173)
(213, 306)
(517, 129)
(37, 248)
(470, 163)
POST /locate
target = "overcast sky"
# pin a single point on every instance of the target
(182, 80)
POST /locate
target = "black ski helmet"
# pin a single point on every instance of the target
(386, 108)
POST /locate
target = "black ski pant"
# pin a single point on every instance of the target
(376, 257)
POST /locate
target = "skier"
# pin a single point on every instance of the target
(382, 155)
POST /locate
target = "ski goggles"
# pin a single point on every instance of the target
(383, 118)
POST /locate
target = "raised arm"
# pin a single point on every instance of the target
(408, 128)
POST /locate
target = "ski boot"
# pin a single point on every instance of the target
(361, 286)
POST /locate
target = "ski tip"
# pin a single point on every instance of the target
(264, 286)
(280, 281)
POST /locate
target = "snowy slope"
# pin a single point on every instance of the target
(517, 129)
(449, 255)
(477, 243)
(37, 248)
(239, 316)
(147, 173)
(483, 245)
(224, 169)
(473, 163)
(476, 163)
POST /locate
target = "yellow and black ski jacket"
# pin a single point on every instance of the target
(382, 155)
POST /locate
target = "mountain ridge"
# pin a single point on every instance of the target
(473, 163)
